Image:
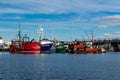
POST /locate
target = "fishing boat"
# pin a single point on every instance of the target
(87, 47)
(45, 43)
(7, 45)
(102, 50)
(60, 47)
(24, 45)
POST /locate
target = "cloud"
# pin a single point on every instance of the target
(12, 10)
(103, 26)
(10, 17)
(108, 21)
(79, 20)
(11, 30)
(106, 25)
(83, 8)
(7, 30)
(113, 17)
(117, 33)
(59, 7)
(107, 35)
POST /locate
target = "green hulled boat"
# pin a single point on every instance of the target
(60, 49)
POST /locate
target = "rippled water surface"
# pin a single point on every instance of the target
(60, 66)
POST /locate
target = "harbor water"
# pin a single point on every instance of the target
(60, 66)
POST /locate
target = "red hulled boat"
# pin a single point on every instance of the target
(87, 47)
(24, 45)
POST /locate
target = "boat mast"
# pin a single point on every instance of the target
(87, 35)
(83, 38)
(92, 36)
(19, 33)
(40, 32)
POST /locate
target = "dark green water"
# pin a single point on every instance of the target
(60, 66)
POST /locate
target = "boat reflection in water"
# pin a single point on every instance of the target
(25, 52)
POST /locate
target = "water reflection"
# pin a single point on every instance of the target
(1, 52)
(26, 52)
(60, 67)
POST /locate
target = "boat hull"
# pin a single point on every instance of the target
(46, 48)
(1, 47)
(60, 49)
(25, 47)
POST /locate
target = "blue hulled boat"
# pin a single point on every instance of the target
(45, 43)
(46, 46)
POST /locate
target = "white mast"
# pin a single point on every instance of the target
(40, 32)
